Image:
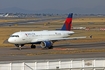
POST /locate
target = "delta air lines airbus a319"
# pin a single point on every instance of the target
(45, 38)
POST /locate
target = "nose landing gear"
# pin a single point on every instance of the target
(19, 46)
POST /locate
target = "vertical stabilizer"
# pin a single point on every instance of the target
(68, 23)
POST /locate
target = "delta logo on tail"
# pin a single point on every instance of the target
(45, 38)
(68, 23)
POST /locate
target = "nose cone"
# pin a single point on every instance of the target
(10, 40)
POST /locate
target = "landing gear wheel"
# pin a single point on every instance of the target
(33, 46)
(19, 46)
(51, 47)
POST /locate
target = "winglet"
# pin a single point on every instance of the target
(68, 23)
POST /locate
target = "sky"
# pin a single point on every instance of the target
(81, 6)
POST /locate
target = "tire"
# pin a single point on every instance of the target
(33, 46)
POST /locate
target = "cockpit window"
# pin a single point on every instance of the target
(14, 36)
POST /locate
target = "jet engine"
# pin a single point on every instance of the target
(46, 44)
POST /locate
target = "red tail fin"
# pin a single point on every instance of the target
(68, 23)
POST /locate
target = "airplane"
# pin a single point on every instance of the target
(45, 38)
(4, 15)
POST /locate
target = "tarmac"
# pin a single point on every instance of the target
(63, 51)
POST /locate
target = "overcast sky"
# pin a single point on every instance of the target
(53, 4)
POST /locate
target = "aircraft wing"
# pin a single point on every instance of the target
(57, 39)
(71, 38)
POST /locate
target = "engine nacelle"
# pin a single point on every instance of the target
(46, 44)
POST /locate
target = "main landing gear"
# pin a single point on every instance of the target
(33, 46)
(21, 45)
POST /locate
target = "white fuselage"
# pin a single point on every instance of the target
(36, 36)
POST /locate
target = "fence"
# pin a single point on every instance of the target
(84, 64)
